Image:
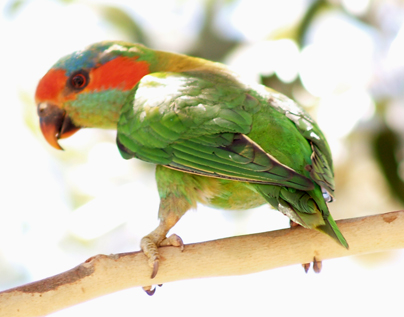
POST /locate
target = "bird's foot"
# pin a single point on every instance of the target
(317, 265)
(150, 245)
(152, 242)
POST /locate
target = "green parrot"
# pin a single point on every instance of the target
(214, 138)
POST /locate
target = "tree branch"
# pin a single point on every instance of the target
(240, 255)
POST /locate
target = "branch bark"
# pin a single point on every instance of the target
(240, 255)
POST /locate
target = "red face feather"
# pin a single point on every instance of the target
(86, 74)
(121, 73)
(50, 86)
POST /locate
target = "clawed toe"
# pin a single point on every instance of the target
(306, 267)
(149, 290)
(150, 245)
(317, 265)
(155, 269)
(173, 240)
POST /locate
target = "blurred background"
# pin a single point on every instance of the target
(340, 59)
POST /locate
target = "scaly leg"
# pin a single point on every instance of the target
(178, 193)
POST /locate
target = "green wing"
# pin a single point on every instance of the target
(200, 123)
(196, 123)
(322, 167)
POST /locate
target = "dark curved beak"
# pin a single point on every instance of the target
(55, 124)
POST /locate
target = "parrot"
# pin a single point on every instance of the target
(215, 138)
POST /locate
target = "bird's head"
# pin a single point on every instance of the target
(88, 88)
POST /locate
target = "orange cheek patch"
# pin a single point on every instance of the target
(50, 86)
(122, 73)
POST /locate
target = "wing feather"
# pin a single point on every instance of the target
(198, 125)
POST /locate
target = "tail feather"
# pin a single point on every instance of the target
(300, 208)
(331, 229)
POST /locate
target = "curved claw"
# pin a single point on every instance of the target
(173, 240)
(150, 244)
(306, 267)
(149, 291)
(155, 269)
(317, 265)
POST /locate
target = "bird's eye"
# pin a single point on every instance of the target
(79, 80)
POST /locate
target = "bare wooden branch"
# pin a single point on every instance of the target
(103, 274)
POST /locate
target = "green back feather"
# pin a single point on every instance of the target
(213, 125)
